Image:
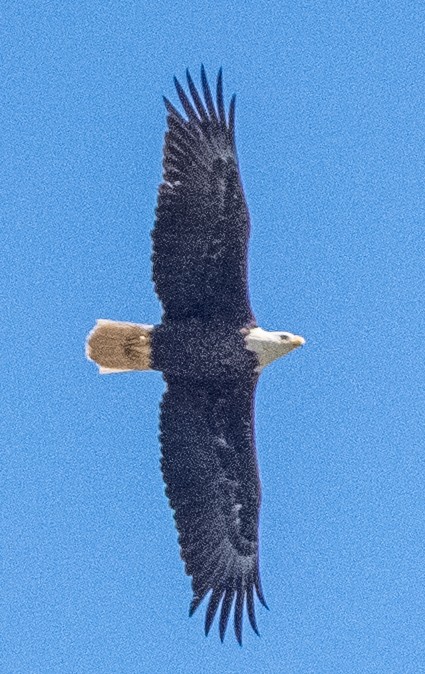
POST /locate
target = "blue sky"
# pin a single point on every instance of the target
(330, 133)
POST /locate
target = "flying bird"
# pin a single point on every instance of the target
(210, 352)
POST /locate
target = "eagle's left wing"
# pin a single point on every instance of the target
(201, 231)
(210, 470)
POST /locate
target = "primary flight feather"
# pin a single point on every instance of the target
(210, 352)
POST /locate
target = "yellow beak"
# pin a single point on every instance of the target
(296, 340)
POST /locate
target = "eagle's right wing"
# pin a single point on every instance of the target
(210, 470)
(201, 231)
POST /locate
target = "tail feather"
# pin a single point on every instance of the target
(119, 347)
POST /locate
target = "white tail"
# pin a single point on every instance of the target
(119, 347)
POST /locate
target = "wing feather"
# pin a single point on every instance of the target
(239, 611)
(208, 96)
(232, 118)
(251, 608)
(225, 612)
(187, 105)
(212, 608)
(196, 98)
(220, 98)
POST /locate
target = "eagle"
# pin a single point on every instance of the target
(210, 352)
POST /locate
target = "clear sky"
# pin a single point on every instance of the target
(330, 134)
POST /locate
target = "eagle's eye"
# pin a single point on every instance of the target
(284, 338)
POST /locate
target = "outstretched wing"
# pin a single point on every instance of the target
(201, 230)
(210, 470)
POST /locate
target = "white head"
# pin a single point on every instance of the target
(269, 345)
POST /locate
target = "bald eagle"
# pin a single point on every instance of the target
(210, 352)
